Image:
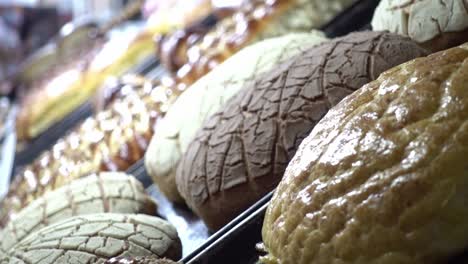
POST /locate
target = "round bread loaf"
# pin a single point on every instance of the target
(108, 192)
(96, 238)
(435, 24)
(383, 177)
(206, 96)
(241, 152)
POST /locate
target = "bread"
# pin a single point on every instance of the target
(43, 108)
(65, 82)
(139, 261)
(170, 15)
(111, 140)
(193, 52)
(435, 24)
(241, 152)
(96, 238)
(206, 96)
(382, 178)
(103, 193)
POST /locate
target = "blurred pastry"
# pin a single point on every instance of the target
(207, 95)
(382, 178)
(111, 140)
(71, 83)
(96, 238)
(193, 52)
(435, 24)
(241, 151)
(103, 193)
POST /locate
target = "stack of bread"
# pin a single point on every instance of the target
(113, 139)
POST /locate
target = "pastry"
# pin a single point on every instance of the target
(111, 140)
(103, 193)
(139, 261)
(207, 95)
(382, 178)
(73, 82)
(193, 52)
(435, 24)
(96, 238)
(241, 152)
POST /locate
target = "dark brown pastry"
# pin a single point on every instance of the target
(241, 152)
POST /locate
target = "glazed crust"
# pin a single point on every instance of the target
(382, 178)
(96, 238)
(241, 152)
(104, 193)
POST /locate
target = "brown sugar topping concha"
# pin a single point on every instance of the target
(382, 178)
(107, 192)
(111, 140)
(195, 51)
(241, 152)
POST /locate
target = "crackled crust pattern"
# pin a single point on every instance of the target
(96, 238)
(383, 177)
(207, 95)
(103, 193)
(434, 23)
(241, 152)
(111, 140)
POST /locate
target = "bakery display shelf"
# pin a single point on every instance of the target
(199, 245)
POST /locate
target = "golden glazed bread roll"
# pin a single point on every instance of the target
(240, 153)
(109, 192)
(96, 238)
(435, 24)
(111, 140)
(195, 51)
(207, 95)
(383, 177)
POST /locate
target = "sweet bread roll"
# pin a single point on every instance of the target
(382, 178)
(207, 95)
(240, 153)
(96, 238)
(435, 24)
(102, 193)
(111, 140)
(193, 52)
